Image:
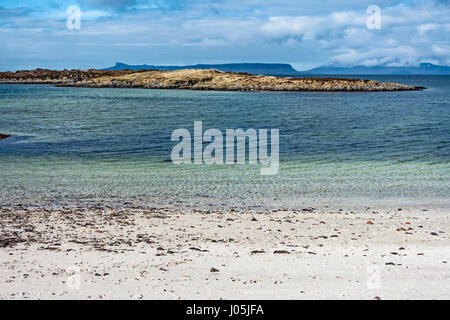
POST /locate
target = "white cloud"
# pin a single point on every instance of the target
(441, 50)
(307, 27)
(349, 18)
(400, 56)
(424, 28)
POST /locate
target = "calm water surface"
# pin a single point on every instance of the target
(85, 146)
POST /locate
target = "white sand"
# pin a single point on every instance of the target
(154, 254)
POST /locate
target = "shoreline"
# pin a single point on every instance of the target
(172, 253)
(199, 204)
(62, 85)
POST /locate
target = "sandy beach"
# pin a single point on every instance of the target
(167, 253)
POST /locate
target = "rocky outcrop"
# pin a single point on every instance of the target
(3, 136)
(45, 76)
(195, 79)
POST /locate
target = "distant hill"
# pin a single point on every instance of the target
(254, 68)
(287, 70)
(423, 69)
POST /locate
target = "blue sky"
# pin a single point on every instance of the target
(304, 33)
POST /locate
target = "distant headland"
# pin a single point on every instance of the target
(287, 69)
(422, 69)
(254, 68)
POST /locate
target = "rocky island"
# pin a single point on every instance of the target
(193, 79)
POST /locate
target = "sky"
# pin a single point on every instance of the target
(306, 34)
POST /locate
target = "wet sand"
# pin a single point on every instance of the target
(158, 253)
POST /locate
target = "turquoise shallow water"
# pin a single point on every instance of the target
(112, 146)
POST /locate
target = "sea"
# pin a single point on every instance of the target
(100, 147)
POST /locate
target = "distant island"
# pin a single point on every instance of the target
(254, 68)
(283, 69)
(422, 69)
(193, 79)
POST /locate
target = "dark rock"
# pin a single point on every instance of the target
(281, 252)
(257, 251)
(198, 249)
